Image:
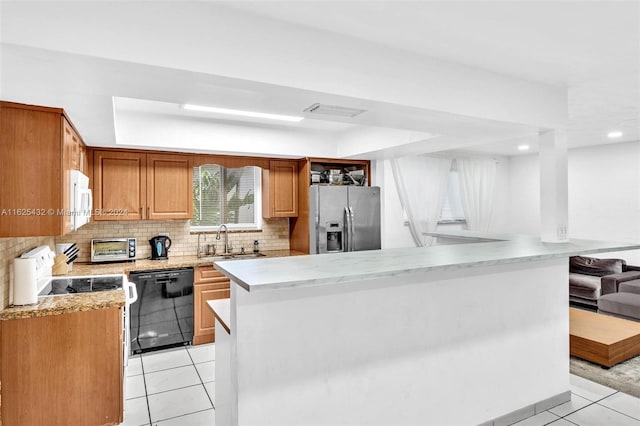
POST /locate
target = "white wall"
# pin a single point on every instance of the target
(604, 195)
(500, 213)
(523, 200)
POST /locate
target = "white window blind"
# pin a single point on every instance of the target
(226, 196)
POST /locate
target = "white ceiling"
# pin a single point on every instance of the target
(589, 48)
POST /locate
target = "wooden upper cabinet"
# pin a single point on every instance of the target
(120, 185)
(169, 186)
(280, 189)
(131, 185)
(75, 150)
(37, 145)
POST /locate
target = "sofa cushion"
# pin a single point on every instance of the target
(630, 287)
(585, 286)
(594, 266)
(622, 304)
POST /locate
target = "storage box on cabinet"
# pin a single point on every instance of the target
(132, 185)
(40, 147)
(209, 285)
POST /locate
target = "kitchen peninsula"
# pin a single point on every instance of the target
(401, 336)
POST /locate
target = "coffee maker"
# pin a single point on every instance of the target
(160, 247)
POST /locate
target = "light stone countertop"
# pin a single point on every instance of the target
(222, 310)
(326, 269)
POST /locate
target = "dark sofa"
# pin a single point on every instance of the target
(590, 277)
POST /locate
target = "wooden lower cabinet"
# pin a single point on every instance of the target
(209, 285)
(63, 369)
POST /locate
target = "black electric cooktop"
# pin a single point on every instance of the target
(82, 284)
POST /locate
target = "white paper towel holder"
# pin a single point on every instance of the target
(28, 277)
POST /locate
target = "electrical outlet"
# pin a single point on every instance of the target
(562, 232)
(164, 234)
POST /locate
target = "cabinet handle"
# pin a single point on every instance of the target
(141, 213)
(148, 211)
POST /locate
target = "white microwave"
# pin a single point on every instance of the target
(80, 199)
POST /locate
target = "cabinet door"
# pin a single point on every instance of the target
(280, 196)
(120, 185)
(70, 141)
(209, 285)
(31, 175)
(63, 369)
(169, 186)
(74, 147)
(203, 318)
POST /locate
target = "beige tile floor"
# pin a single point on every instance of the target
(176, 387)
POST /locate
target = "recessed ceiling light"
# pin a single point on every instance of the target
(615, 134)
(523, 148)
(242, 113)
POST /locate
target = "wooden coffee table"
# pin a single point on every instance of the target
(602, 339)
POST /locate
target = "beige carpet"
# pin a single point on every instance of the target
(624, 377)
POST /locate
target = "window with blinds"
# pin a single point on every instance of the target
(226, 196)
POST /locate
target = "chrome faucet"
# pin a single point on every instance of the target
(227, 247)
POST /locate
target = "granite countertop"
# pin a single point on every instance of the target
(68, 303)
(326, 269)
(65, 304)
(148, 264)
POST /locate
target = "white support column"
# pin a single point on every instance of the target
(554, 191)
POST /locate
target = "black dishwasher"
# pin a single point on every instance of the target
(162, 316)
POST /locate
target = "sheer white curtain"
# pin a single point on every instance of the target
(422, 185)
(477, 182)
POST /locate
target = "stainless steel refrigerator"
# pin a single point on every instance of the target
(344, 218)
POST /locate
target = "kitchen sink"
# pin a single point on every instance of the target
(234, 256)
(247, 255)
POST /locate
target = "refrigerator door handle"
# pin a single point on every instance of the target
(348, 225)
(352, 230)
(347, 230)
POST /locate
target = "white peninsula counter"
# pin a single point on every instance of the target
(458, 334)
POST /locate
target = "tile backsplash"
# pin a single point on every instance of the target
(273, 236)
(11, 248)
